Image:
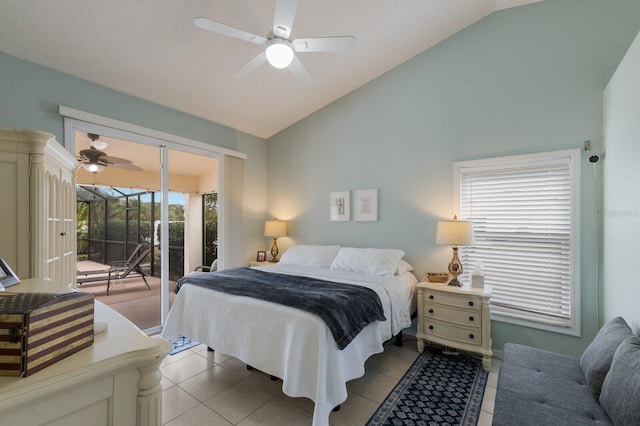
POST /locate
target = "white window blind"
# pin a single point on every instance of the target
(525, 216)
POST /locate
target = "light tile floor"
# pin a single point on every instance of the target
(208, 388)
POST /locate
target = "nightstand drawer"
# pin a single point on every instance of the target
(467, 317)
(458, 300)
(452, 332)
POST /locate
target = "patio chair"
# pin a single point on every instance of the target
(212, 268)
(118, 269)
(121, 269)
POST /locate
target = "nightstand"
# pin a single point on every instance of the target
(457, 317)
(256, 263)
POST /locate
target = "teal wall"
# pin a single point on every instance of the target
(35, 93)
(31, 95)
(522, 80)
(621, 177)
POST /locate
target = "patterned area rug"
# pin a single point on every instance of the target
(181, 343)
(437, 390)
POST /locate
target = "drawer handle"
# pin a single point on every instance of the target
(471, 336)
(431, 296)
(471, 318)
(430, 311)
(430, 327)
(470, 303)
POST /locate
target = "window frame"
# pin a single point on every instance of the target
(572, 157)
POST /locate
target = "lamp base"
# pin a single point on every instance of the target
(455, 268)
(274, 251)
(454, 282)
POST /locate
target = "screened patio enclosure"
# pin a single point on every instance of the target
(113, 222)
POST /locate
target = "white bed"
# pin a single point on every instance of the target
(290, 343)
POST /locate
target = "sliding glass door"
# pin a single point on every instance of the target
(157, 204)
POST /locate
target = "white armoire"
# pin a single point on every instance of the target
(37, 206)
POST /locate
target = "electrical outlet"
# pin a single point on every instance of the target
(587, 145)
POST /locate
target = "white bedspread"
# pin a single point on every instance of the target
(289, 343)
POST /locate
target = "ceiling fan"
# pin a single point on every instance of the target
(279, 51)
(93, 160)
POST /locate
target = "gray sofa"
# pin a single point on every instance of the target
(602, 387)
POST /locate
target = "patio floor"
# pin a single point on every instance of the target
(129, 296)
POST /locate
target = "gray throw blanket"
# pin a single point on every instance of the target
(346, 309)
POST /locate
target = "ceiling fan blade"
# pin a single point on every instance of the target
(300, 72)
(218, 27)
(283, 17)
(127, 166)
(91, 154)
(250, 66)
(114, 160)
(324, 44)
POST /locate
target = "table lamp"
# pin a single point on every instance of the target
(275, 228)
(455, 233)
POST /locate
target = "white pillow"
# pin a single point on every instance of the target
(368, 261)
(307, 255)
(404, 267)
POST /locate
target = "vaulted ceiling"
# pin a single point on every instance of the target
(152, 50)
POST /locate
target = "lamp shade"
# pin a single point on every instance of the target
(455, 233)
(275, 228)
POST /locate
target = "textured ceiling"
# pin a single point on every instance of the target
(151, 49)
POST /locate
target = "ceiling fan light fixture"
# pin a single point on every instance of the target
(95, 142)
(93, 167)
(279, 53)
(99, 145)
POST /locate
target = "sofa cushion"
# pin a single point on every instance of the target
(538, 387)
(552, 363)
(621, 387)
(512, 409)
(596, 359)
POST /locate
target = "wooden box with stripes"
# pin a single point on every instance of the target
(39, 329)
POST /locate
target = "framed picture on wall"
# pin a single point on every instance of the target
(367, 205)
(339, 210)
(7, 276)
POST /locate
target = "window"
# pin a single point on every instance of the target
(525, 211)
(210, 226)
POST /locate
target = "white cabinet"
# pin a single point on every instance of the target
(455, 317)
(114, 382)
(38, 208)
